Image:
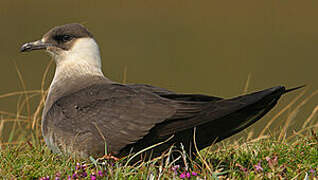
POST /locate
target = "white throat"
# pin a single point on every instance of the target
(83, 59)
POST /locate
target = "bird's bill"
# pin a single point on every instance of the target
(36, 45)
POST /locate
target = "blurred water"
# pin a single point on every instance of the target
(187, 46)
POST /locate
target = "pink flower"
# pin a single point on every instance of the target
(185, 175)
(258, 167)
(267, 158)
(272, 162)
(45, 178)
(182, 175)
(275, 158)
(188, 175)
(74, 176)
(194, 174)
(174, 168)
(312, 171)
(100, 173)
(78, 166)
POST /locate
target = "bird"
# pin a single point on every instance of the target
(87, 114)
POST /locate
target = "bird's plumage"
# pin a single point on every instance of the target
(85, 110)
(129, 118)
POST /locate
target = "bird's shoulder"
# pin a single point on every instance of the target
(116, 98)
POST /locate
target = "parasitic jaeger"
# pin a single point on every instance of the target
(84, 109)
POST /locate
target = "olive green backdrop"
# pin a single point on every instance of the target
(188, 46)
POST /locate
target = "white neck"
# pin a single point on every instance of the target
(83, 59)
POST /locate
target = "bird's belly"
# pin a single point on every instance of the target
(80, 144)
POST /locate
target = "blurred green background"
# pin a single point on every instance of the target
(188, 46)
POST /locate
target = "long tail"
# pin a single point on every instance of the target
(237, 114)
(293, 89)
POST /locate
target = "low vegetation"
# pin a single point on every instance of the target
(266, 158)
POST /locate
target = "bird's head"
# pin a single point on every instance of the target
(70, 42)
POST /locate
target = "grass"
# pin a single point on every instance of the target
(265, 158)
(24, 155)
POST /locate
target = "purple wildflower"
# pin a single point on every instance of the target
(93, 177)
(57, 176)
(84, 174)
(69, 178)
(194, 174)
(74, 176)
(185, 175)
(188, 175)
(175, 168)
(182, 175)
(258, 167)
(100, 173)
(312, 171)
(78, 166)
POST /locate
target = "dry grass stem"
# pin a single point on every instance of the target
(281, 112)
(245, 90)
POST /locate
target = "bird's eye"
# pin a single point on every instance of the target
(63, 38)
(66, 38)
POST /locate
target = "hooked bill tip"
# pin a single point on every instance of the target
(26, 47)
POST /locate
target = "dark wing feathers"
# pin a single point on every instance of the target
(123, 115)
(215, 110)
